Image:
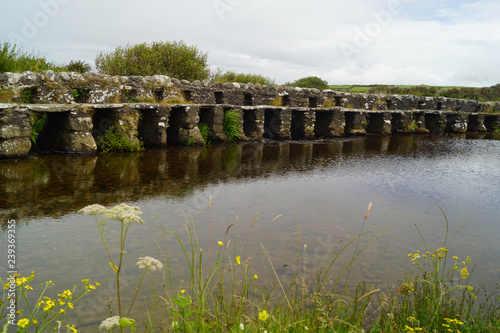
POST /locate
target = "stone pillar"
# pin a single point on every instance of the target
(303, 123)
(183, 127)
(277, 123)
(355, 122)
(476, 123)
(253, 122)
(379, 122)
(329, 123)
(403, 122)
(15, 131)
(457, 122)
(213, 116)
(67, 129)
(435, 122)
(153, 124)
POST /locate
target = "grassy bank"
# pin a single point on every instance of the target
(220, 289)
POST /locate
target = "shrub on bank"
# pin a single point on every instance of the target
(175, 59)
(228, 76)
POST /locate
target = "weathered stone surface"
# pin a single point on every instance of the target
(15, 147)
(302, 124)
(76, 142)
(329, 123)
(277, 123)
(379, 123)
(49, 107)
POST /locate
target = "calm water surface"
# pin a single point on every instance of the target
(321, 190)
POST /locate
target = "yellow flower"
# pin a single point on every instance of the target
(49, 305)
(23, 322)
(455, 258)
(70, 305)
(220, 243)
(65, 294)
(97, 284)
(85, 281)
(35, 321)
(28, 288)
(182, 291)
(464, 273)
(255, 277)
(263, 315)
(6, 286)
(72, 328)
(238, 260)
(62, 311)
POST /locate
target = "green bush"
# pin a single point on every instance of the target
(231, 125)
(175, 59)
(228, 76)
(115, 140)
(309, 82)
(78, 66)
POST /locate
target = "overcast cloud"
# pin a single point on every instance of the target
(439, 42)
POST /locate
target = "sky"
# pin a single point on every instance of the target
(432, 42)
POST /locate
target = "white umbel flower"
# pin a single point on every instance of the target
(110, 323)
(149, 262)
(93, 209)
(125, 213)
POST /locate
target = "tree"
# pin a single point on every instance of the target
(310, 82)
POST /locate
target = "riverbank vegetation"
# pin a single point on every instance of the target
(221, 289)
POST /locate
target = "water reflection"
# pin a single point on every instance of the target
(57, 185)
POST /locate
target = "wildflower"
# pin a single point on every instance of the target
(49, 305)
(455, 258)
(28, 288)
(65, 294)
(220, 243)
(72, 328)
(263, 315)
(23, 322)
(238, 260)
(183, 291)
(70, 305)
(255, 277)
(149, 262)
(62, 311)
(110, 323)
(125, 213)
(242, 327)
(93, 209)
(464, 273)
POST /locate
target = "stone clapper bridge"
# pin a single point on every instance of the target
(159, 110)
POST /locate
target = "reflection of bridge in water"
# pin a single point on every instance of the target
(62, 184)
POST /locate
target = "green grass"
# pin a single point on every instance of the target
(231, 125)
(205, 132)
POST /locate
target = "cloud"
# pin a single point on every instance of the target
(405, 41)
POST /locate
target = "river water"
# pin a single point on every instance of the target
(319, 190)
